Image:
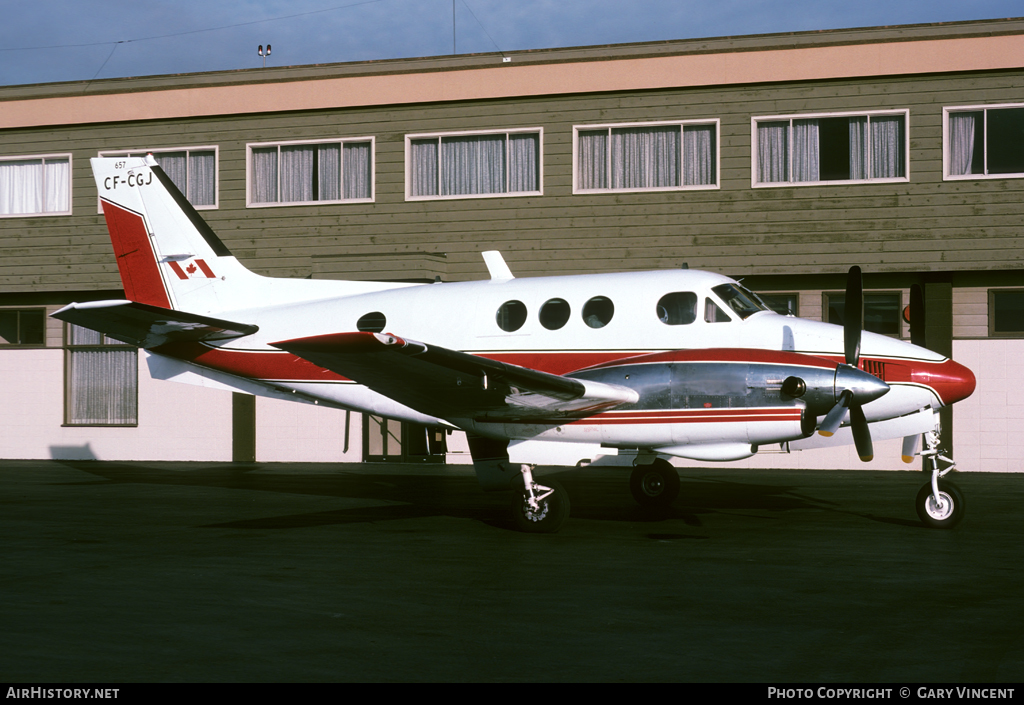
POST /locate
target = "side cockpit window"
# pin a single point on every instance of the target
(678, 308)
(713, 313)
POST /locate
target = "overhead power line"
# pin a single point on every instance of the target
(192, 31)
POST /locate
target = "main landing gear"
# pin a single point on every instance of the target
(940, 503)
(654, 484)
(536, 508)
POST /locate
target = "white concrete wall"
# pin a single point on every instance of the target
(293, 432)
(986, 426)
(176, 421)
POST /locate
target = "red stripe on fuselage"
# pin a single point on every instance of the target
(251, 364)
(136, 260)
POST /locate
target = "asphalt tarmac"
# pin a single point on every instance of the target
(146, 572)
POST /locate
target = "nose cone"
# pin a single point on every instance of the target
(950, 380)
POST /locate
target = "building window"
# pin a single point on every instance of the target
(192, 169)
(101, 380)
(472, 165)
(654, 156)
(819, 149)
(881, 311)
(784, 304)
(22, 327)
(294, 173)
(984, 142)
(35, 185)
(1006, 313)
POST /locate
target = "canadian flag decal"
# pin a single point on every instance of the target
(197, 268)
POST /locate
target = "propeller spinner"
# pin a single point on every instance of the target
(853, 387)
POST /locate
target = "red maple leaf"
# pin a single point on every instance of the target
(191, 269)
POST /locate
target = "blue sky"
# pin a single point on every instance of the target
(44, 41)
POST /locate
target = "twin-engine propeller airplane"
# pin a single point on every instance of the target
(547, 370)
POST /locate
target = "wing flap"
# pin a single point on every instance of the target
(452, 384)
(149, 326)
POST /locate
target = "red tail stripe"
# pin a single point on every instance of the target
(136, 260)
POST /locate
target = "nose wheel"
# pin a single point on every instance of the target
(655, 484)
(946, 511)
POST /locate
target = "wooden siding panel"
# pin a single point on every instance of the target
(922, 225)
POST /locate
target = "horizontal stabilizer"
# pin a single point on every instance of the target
(455, 385)
(150, 326)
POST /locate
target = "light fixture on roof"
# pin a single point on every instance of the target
(260, 52)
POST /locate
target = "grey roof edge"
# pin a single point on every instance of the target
(460, 62)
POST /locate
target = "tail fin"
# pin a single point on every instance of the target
(166, 253)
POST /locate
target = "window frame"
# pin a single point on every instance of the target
(19, 310)
(71, 180)
(901, 303)
(107, 153)
(717, 122)
(69, 350)
(249, 146)
(539, 131)
(992, 332)
(754, 151)
(946, 176)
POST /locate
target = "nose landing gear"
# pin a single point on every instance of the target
(940, 503)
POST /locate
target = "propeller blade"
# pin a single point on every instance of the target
(917, 335)
(861, 434)
(834, 418)
(911, 444)
(853, 316)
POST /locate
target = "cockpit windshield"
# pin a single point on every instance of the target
(741, 300)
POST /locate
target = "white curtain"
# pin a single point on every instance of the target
(423, 167)
(264, 175)
(472, 165)
(961, 143)
(21, 187)
(772, 152)
(523, 163)
(358, 174)
(887, 147)
(858, 148)
(592, 156)
(202, 178)
(806, 151)
(328, 172)
(175, 165)
(102, 382)
(645, 157)
(297, 174)
(57, 175)
(699, 155)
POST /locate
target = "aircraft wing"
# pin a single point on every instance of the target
(149, 326)
(456, 385)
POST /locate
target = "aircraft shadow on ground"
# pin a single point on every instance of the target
(597, 496)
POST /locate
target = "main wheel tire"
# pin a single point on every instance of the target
(552, 513)
(944, 516)
(654, 485)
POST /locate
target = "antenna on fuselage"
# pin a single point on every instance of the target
(496, 266)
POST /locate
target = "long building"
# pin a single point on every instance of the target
(782, 159)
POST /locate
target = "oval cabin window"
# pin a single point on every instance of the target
(554, 313)
(372, 322)
(598, 311)
(511, 316)
(678, 308)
